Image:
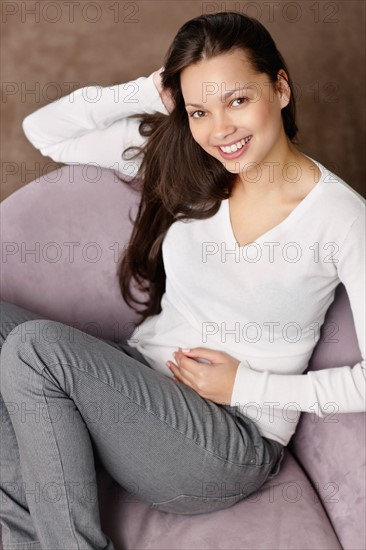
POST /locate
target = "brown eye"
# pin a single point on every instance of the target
(244, 99)
(191, 115)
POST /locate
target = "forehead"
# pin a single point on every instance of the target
(220, 74)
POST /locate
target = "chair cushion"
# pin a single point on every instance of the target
(284, 513)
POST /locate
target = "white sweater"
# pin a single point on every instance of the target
(263, 303)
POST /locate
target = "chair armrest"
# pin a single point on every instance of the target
(332, 449)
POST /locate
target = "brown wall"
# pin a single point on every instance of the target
(322, 42)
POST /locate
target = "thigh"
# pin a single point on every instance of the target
(12, 316)
(123, 346)
(154, 436)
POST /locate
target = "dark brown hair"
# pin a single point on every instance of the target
(177, 178)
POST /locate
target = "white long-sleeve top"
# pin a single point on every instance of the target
(263, 303)
(89, 126)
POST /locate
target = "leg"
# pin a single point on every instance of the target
(16, 521)
(181, 453)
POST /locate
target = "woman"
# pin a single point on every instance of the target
(240, 241)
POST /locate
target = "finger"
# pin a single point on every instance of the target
(190, 367)
(177, 375)
(191, 372)
(170, 365)
(215, 356)
(173, 368)
(181, 374)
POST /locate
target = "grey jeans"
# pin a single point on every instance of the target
(70, 400)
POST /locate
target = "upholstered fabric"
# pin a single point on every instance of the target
(62, 235)
(332, 449)
(318, 498)
(284, 513)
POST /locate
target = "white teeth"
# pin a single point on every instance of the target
(235, 146)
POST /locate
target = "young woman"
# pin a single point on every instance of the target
(239, 242)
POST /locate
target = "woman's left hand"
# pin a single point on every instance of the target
(165, 95)
(214, 381)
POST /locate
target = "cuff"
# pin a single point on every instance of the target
(150, 97)
(246, 384)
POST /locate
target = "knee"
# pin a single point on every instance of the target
(11, 317)
(41, 335)
(29, 339)
(11, 351)
(26, 348)
(8, 320)
(23, 334)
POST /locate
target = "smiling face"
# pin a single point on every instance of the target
(252, 112)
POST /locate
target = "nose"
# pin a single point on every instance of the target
(222, 128)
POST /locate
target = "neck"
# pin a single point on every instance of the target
(272, 175)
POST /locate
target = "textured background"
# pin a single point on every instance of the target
(50, 48)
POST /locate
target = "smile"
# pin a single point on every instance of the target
(235, 146)
(235, 150)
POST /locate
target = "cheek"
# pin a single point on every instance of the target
(266, 124)
(272, 114)
(260, 116)
(198, 135)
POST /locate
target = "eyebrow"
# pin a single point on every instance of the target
(226, 95)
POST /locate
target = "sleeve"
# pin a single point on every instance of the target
(90, 125)
(341, 389)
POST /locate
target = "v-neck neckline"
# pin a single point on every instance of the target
(295, 212)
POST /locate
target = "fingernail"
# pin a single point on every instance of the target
(186, 350)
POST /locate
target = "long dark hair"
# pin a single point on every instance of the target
(177, 178)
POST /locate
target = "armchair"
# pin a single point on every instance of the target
(62, 235)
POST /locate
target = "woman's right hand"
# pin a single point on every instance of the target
(165, 95)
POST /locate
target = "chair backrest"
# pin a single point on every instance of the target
(62, 236)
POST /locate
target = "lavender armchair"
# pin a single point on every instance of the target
(61, 238)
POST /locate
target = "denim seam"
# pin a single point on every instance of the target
(58, 363)
(62, 469)
(199, 497)
(17, 544)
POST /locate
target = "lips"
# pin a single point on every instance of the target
(232, 147)
(238, 152)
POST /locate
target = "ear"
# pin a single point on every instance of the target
(283, 88)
